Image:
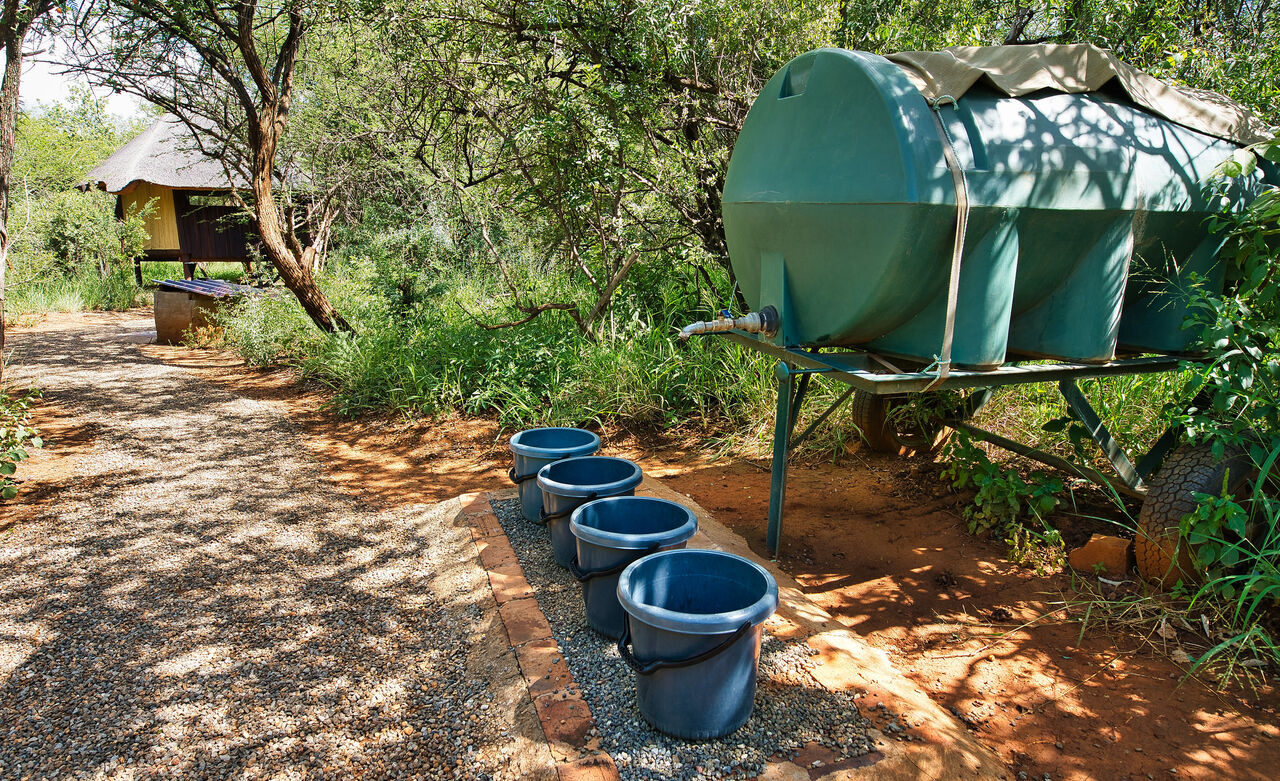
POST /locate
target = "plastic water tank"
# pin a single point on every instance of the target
(1087, 217)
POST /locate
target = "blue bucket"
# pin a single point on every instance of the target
(692, 634)
(535, 448)
(612, 533)
(575, 481)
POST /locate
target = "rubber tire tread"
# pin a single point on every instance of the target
(870, 413)
(1162, 556)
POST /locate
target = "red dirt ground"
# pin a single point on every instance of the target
(878, 542)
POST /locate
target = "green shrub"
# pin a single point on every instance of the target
(16, 435)
(1236, 538)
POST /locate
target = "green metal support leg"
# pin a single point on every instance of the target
(1098, 430)
(781, 435)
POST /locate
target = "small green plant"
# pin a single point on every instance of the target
(16, 435)
(1003, 501)
(1215, 532)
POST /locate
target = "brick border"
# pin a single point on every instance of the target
(566, 719)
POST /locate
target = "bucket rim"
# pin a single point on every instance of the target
(697, 623)
(620, 541)
(592, 489)
(530, 451)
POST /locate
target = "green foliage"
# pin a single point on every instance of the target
(1005, 503)
(83, 233)
(436, 357)
(16, 436)
(1215, 531)
(1236, 537)
(69, 251)
(267, 330)
(58, 143)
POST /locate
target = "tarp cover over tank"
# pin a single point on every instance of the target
(1073, 69)
(1086, 211)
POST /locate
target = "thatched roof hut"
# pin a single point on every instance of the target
(194, 219)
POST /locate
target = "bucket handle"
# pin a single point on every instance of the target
(518, 479)
(649, 668)
(582, 576)
(545, 516)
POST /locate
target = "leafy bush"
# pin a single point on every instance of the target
(68, 250)
(16, 435)
(1003, 499)
(1236, 538)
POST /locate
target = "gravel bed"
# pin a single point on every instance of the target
(199, 601)
(790, 709)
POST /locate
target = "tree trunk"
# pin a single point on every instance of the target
(295, 273)
(13, 37)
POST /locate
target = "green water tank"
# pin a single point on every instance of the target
(1087, 217)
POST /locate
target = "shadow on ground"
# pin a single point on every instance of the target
(199, 599)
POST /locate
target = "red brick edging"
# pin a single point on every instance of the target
(566, 719)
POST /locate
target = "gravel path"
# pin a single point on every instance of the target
(200, 602)
(791, 710)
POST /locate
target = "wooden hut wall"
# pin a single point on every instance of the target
(161, 224)
(210, 231)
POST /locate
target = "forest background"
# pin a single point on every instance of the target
(516, 204)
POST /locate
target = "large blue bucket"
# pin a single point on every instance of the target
(692, 634)
(575, 481)
(535, 448)
(612, 533)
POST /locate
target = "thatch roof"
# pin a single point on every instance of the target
(164, 154)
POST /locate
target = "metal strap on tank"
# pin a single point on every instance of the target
(957, 250)
(649, 668)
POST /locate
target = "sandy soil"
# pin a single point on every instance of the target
(879, 543)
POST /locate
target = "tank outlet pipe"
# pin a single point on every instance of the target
(763, 322)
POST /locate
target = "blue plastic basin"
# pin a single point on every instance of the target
(575, 481)
(533, 449)
(612, 533)
(692, 634)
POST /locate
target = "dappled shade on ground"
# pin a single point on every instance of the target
(201, 600)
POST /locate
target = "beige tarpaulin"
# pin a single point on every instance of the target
(1074, 68)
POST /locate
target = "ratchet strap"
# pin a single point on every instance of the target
(957, 250)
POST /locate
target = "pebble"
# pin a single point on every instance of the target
(790, 711)
(200, 601)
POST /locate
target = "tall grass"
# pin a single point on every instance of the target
(545, 372)
(229, 272)
(81, 292)
(1132, 407)
(432, 355)
(87, 291)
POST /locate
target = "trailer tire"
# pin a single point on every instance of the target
(872, 414)
(1162, 555)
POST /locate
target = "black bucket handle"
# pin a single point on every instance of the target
(649, 668)
(545, 516)
(518, 479)
(582, 576)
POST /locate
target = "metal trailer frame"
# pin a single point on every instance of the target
(874, 374)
